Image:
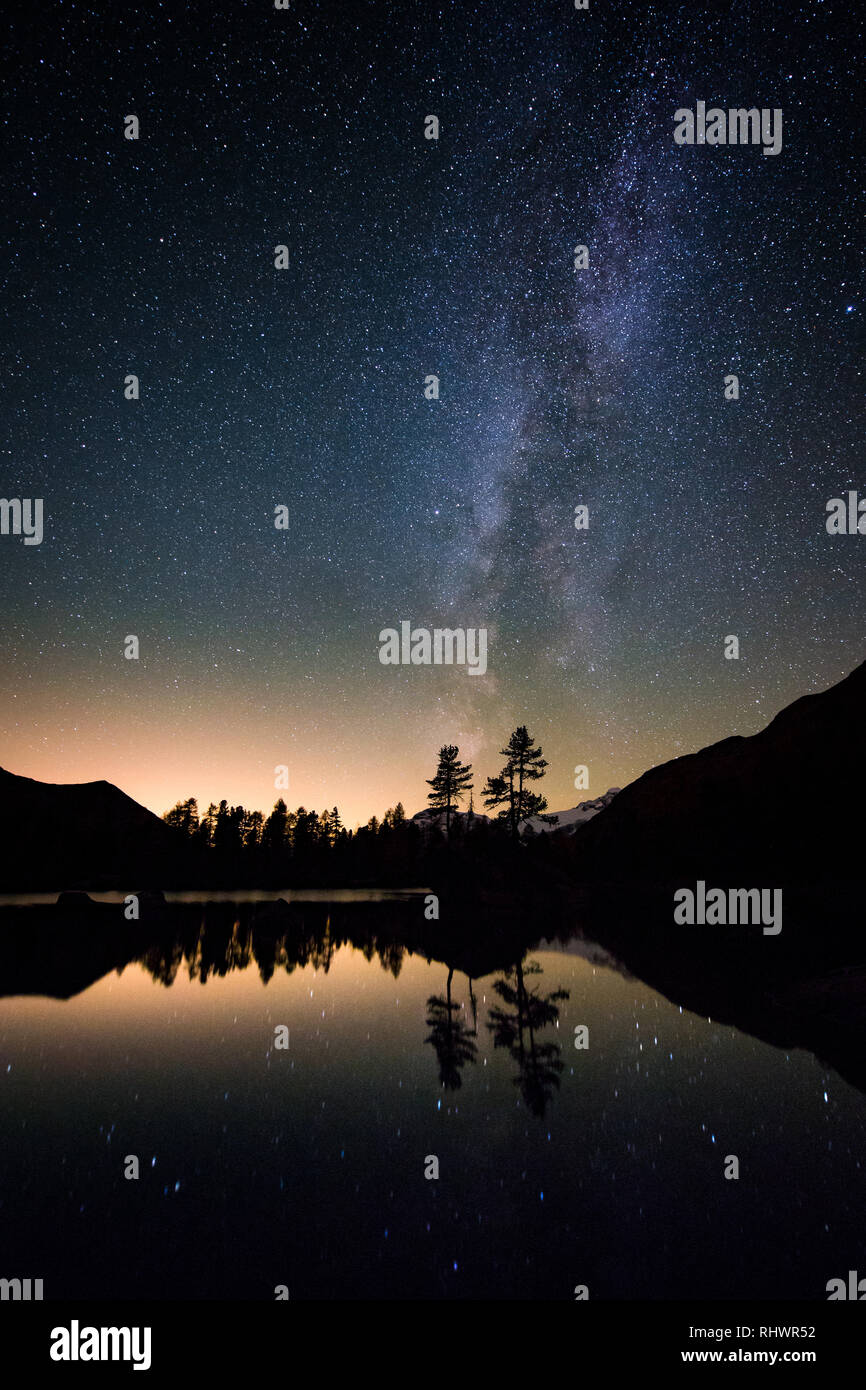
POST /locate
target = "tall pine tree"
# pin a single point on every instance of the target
(453, 779)
(508, 789)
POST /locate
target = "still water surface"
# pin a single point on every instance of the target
(306, 1166)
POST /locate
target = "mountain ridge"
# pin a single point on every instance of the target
(68, 833)
(736, 805)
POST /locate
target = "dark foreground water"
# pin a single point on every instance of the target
(305, 1166)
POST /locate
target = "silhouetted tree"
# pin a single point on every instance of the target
(305, 835)
(275, 834)
(253, 826)
(228, 836)
(453, 779)
(184, 816)
(508, 789)
(221, 832)
(207, 826)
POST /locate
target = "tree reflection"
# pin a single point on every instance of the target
(516, 1028)
(450, 1037)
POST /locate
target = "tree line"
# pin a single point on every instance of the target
(231, 829)
(318, 842)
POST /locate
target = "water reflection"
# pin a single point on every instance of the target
(205, 941)
(62, 949)
(452, 1038)
(59, 950)
(305, 1166)
(516, 1028)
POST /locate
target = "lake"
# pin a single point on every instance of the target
(304, 1165)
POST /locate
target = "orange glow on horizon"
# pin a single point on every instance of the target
(362, 759)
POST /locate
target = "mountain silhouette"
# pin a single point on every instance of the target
(62, 835)
(781, 806)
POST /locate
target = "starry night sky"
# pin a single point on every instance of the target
(304, 387)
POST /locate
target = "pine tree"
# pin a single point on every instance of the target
(306, 830)
(275, 834)
(207, 826)
(508, 789)
(453, 779)
(394, 816)
(222, 835)
(184, 817)
(499, 791)
(252, 829)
